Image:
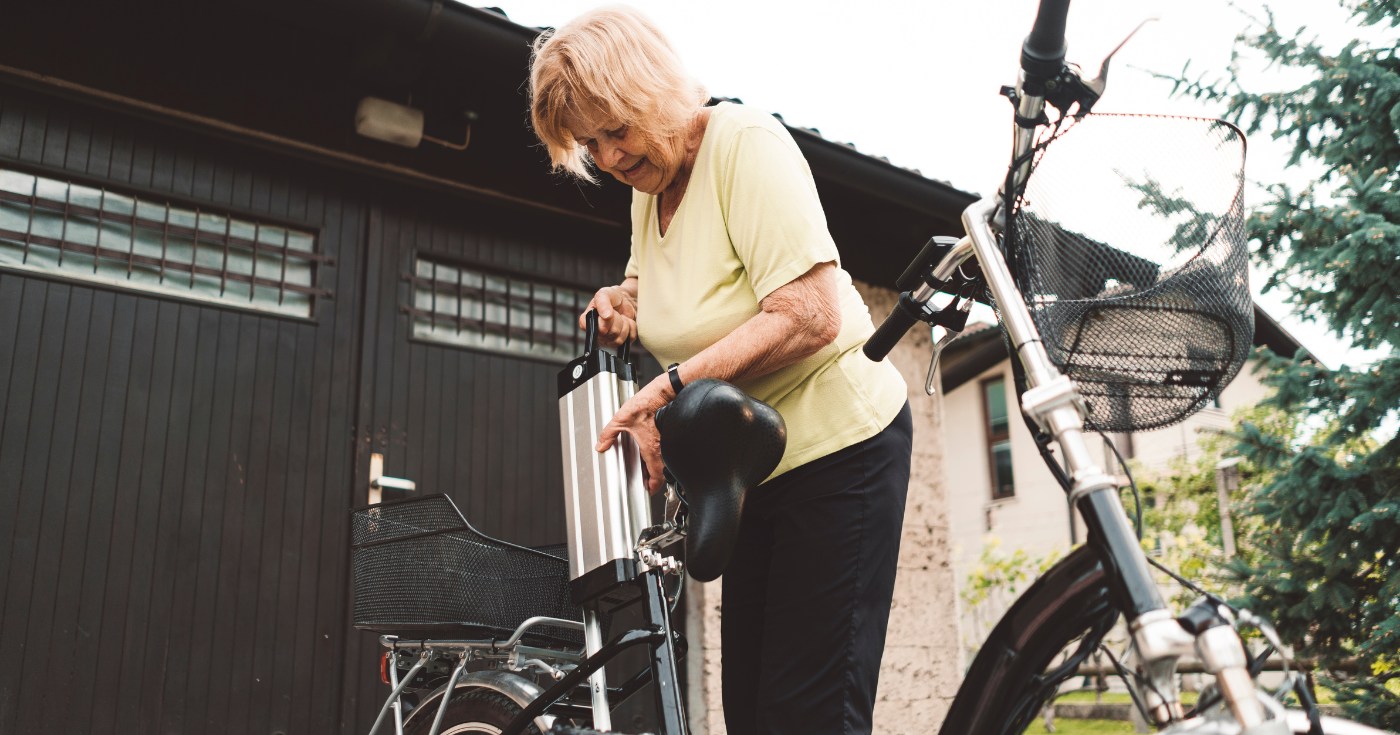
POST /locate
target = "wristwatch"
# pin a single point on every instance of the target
(673, 372)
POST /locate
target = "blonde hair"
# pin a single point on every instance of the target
(610, 66)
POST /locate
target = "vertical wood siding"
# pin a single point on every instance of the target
(174, 520)
(173, 526)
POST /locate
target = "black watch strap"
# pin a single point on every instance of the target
(672, 372)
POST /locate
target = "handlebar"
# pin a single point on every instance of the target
(1043, 53)
(920, 267)
(904, 315)
(938, 267)
(1042, 59)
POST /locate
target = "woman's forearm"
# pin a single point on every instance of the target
(629, 286)
(796, 321)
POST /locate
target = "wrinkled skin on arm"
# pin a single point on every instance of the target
(794, 322)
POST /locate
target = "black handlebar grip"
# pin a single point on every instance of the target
(1043, 53)
(924, 262)
(904, 315)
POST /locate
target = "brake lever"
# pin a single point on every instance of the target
(1071, 88)
(952, 320)
(939, 342)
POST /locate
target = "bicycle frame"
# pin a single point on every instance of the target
(659, 639)
(540, 705)
(1052, 401)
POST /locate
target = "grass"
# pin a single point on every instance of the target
(1064, 726)
(1068, 726)
(1087, 695)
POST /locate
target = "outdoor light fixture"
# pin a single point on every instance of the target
(400, 124)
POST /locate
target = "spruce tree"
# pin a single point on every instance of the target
(1325, 566)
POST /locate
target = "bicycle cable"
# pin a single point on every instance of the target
(1124, 674)
(1188, 584)
(1255, 661)
(680, 590)
(1137, 497)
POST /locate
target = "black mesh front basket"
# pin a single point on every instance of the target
(421, 571)
(1128, 246)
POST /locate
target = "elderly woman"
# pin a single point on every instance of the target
(733, 275)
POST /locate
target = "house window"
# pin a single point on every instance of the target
(469, 306)
(108, 238)
(998, 438)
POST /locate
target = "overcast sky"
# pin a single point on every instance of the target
(917, 82)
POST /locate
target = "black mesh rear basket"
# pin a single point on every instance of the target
(1128, 246)
(421, 571)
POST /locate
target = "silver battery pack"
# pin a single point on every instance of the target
(606, 505)
(638, 499)
(605, 499)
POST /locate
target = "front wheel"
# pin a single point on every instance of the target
(470, 712)
(1015, 673)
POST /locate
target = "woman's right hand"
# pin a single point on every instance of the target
(617, 315)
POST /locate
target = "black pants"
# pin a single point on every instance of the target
(807, 593)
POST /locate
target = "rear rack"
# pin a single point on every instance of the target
(465, 650)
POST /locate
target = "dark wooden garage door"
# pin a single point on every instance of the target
(466, 325)
(176, 471)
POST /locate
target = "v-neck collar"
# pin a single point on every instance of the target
(694, 175)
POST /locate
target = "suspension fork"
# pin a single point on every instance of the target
(1053, 402)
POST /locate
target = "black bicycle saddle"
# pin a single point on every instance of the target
(718, 442)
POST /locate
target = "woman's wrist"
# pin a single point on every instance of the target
(662, 387)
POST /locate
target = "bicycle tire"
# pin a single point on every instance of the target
(471, 712)
(1011, 677)
(563, 729)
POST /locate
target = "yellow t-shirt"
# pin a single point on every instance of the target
(749, 223)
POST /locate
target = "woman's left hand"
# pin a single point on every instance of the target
(637, 417)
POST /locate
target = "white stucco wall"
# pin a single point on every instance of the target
(920, 671)
(1036, 519)
(1154, 449)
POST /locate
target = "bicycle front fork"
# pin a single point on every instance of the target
(1054, 403)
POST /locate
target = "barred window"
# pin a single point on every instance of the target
(469, 306)
(113, 239)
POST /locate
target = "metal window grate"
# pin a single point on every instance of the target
(495, 311)
(100, 236)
